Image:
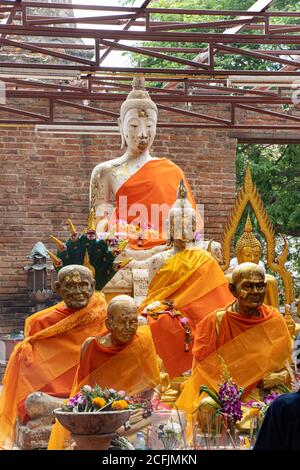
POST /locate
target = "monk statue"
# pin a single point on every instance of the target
(186, 284)
(248, 249)
(46, 360)
(137, 188)
(123, 358)
(251, 337)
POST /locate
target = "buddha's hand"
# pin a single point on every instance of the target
(275, 378)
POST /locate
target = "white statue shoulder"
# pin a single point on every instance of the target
(157, 261)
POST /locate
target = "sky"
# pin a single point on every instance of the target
(115, 58)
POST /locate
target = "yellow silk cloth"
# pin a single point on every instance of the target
(195, 283)
(41, 359)
(132, 369)
(148, 191)
(190, 279)
(249, 356)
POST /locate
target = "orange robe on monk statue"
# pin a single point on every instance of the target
(47, 359)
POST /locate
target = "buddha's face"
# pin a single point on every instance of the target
(122, 323)
(249, 255)
(249, 288)
(139, 129)
(76, 289)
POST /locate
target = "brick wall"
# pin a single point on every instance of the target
(45, 179)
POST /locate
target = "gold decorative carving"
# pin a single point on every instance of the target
(249, 194)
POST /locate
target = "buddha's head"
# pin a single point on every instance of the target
(248, 286)
(182, 218)
(248, 248)
(122, 319)
(75, 284)
(138, 119)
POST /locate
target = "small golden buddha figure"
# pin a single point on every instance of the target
(248, 249)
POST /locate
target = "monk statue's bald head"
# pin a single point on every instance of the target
(248, 286)
(122, 319)
(75, 284)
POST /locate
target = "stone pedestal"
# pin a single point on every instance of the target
(35, 435)
(90, 441)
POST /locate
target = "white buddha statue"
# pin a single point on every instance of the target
(136, 189)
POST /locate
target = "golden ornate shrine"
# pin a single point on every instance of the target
(249, 194)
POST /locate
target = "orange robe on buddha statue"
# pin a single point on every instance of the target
(147, 197)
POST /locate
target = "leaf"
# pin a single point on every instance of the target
(209, 392)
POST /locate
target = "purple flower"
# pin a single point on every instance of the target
(111, 391)
(269, 398)
(81, 400)
(229, 396)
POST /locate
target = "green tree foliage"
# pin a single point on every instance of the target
(276, 172)
(225, 61)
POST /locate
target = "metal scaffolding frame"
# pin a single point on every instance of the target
(63, 77)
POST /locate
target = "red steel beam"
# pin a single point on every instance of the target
(85, 95)
(193, 125)
(129, 87)
(23, 112)
(205, 25)
(37, 84)
(150, 36)
(152, 71)
(127, 26)
(87, 19)
(226, 89)
(180, 11)
(258, 55)
(91, 109)
(269, 112)
(193, 114)
(41, 50)
(140, 50)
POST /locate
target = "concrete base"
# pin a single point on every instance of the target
(33, 438)
(90, 442)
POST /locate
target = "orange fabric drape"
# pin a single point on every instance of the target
(195, 283)
(46, 358)
(151, 188)
(251, 348)
(45, 318)
(132, 368)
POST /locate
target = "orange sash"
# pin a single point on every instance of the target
(249, 356)
(42, 358)
(152, 187)
(132, 369)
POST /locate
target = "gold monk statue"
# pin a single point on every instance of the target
(47, 359)
(248, 249)
(123, 358)
(251, 337)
